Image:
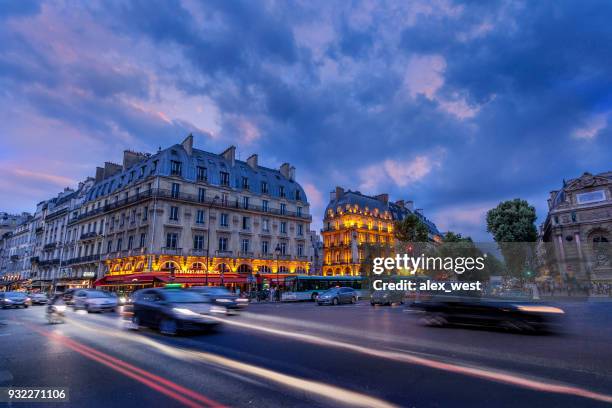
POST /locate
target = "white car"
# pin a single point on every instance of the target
(39, 298)
(94, 301)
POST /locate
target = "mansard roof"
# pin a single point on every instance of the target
(586, 180)
(160, 164)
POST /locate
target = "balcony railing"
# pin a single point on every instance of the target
(197, 252)
(246, 254)
(89, 235)
(172, 251)
(83, 259)
(193, 198)
(224, 254)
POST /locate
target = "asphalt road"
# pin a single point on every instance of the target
(304, 355)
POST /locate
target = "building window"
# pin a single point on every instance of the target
(202, 173)
(281, 191)
(174, 213)
(265, 225)
(119, 244)
(200, 217)
(109, 246)
(300, 249)
(245, 203)
(176, 188)
(300, 229)
(201, 195)
(171, 240)
(264, 247)
(283, 248)
(264, 187)
(283, 227)
(298, 195)
(245, 245)
(143, 238)
(591, 197)
(145, 213)
(283, 208)
(224, 220)
(198, 242)
(245, 183)
(224, 178)
(142, 172)
(222, 244)
(264, 206)
(130, 242)
(176, 168)
(246, 223)
(299, 211)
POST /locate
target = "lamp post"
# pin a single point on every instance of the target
(213, 202)
(277, 251)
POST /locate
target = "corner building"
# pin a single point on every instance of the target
(189, 216)
(353, 219)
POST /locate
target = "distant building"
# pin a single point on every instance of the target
(575, 237)
(8, 222)
(316, 253)
(352, 219)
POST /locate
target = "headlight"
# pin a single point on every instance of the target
(223, 300)
(122, 299)
(185, 311)
(540, 309)
(8, 300)
(242, 300)
(28, 299)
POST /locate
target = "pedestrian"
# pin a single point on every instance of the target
(272, 293)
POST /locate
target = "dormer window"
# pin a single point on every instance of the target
(224, 178)
(298, 195)
(281, 191)
(264, 187)
(202, 173)
(245, 183)
(591, 197)
(142, 172)
(176, 168)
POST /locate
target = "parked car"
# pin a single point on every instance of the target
(508, 314)
(94, 301)
(39, 298)
(387, 297)
(171, 310)
(337, 296)
(14, 299)
(221, 297)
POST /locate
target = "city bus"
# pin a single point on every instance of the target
(304, 287)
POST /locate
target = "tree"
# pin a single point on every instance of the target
(512, 224)
(411, 229)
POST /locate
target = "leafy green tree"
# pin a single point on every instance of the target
(411, 229)
(512, 224)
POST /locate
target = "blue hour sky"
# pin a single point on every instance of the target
(455, 105)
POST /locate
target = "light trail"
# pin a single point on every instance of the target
(479, 372)
(169, 388)
(318, 389)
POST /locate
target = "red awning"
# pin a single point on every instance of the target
(134, 279)
(200, 280)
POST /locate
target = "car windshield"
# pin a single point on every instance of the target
(15, 295)
(183, 296)
(331, 291)
(97, 294)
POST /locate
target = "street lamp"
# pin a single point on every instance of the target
(277, 251)
(213, 202)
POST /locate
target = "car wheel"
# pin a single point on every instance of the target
(25, 306)
(335, 301)
(88, 309)
(168, 327)
(372, 303)
(434, 320)
(353, 300)
(313, 297)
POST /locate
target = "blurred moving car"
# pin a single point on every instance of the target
(39, 298)
(221, 297)
(336, 296)
(14, 299)
(69, 296)
(93, 300)
(513, 315)
(386, 297)
(170, 310)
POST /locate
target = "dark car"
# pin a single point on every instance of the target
(514, 315)
(387, 297)
(14, 299)
(226, 301)
(336, 296)
(69, 296)
(171, 310)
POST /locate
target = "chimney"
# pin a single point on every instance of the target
(400, 203)
(229, 154)
(188, 144)
(383, 197)
(288, 171)
(410, 205)
(99, 174)
(131, 158)
(252, 161)
(110, 169)
(338, 193)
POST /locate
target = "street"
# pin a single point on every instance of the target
(304, 355)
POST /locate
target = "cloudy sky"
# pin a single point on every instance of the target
(455, 105)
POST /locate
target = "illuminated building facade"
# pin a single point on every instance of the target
(353, 219)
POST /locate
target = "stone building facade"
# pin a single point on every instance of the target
(576, 235)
